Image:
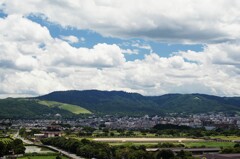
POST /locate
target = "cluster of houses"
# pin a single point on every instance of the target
(50, 128)
(207, 121)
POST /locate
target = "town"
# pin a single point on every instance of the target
(196, 133)
(208, 121)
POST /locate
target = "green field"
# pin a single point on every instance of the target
(209, 144)
(118, 134)
(69, 107)
(226, 137)
(5, 140)
(41, 157)
(147, 144)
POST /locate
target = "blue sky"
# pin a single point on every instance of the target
(155, 48)
(92, 38)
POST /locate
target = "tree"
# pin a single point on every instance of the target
(58, 157)
(68, 131)
(112, 134)
(165, 154)
(237, 145)
(122, 153)
(84, 147)
(18, 147)
(131, 153)
(184, 154)
(228, 150)
(22, 132)
(106, 130)
(130, 133)
(2, 149)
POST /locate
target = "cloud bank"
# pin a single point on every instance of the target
(32, 62)
(185, 21)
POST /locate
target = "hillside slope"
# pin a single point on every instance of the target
(68, 107)
(112, 102)
(194, 103)
(105, 101)
(31, 108)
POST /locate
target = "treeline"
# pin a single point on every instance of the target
(234, 149)
(84, 148)
(13, 147)
(171, 126)
(158, 130)
(174, 130)
(91, 149)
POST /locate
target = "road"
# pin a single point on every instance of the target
(16, 136)
(70, 155)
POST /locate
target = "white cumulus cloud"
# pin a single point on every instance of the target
(70, 39)
(185, 21)
(33, 62)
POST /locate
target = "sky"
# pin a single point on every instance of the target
(149, 47)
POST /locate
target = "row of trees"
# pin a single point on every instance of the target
(162, 130)
(174, 130)
(84, 148)
(13, 147)
(91, 149)
(234, 149)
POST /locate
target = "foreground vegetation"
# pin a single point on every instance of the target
(203, 144)
(91, 149)
(9, 147)
(209, 144)
(234, 149)
(226, 137)
(160, 130)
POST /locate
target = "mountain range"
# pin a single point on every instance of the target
(73, 103)
(119, 102)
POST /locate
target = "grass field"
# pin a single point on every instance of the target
(209, 144)
(147, 144)
(41, 157)
(5, 140)
(187, 144)
(69, 107)
(226, 137)
(143, 140)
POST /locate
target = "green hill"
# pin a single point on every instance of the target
(69, 107)
(119, 102)
(74, 103)
(195, 103)
(32, 108)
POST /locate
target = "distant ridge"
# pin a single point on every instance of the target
(120, 102)
(73, 103)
